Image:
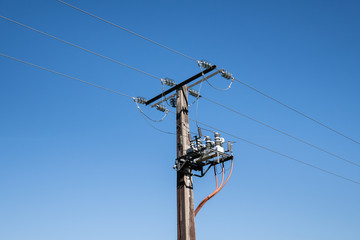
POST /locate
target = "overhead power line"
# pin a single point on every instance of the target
(79, 47)
(127, 30)
(297, 111)
(64, 75)
(282, 132)
(88, 83)
(276, 152)
(245, 84)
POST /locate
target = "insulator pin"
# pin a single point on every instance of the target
(161, 108)
(194, 93)
(168, 82)
(226, 74)
(140, 100)
(205, 64)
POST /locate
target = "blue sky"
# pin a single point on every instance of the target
(77, 162)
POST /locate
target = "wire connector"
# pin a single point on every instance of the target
(168, 82)
(194, 93)
(226, 74)
(140, 100)
(205, 64)
(161, 108)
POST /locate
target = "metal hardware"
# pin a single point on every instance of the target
(173, 102)
(180, 85)
(205, 64)
(226, 74)
(168, 81)
(140, 100)
(194, 93)
(161, 108)
(202, 153)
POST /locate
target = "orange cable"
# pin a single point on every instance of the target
(216, 191)
(208, 197)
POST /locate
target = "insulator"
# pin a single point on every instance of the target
(168, 82)
(205, 64)
(208, 142)
(226, 74)
(173, 102)
(194, 93)
(161, 108)
(218, 140)
(140, 100)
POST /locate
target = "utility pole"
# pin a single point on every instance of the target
(184, 184)
(192, 155)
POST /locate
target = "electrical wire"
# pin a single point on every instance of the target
(158, 129)
(160, 79)
(122, 28)
(297, 111)
(188, 128)
(79, 47)
(216, 180)
(67, 76)
(142, 112)
(222, 185)
(243, 83)
(278, 153)
(91, 84)
(284, 133)
(219, 89)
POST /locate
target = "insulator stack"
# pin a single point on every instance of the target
(205, 64)
(194, 93)
(140, 100)
(173, 102)
(226, 74)
(168, 82)
(161, 108)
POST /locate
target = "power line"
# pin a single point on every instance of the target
(297, 111)
(245, 84)
(232, 135)
(64, 75)
(127, 30)
(91, 84)
(282, 132)
(151, 125)
(79, 47)
(138, 70)
(98, 86)
(278, 153)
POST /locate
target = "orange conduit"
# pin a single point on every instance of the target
(217, 190)
(201, 204)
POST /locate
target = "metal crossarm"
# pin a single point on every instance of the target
(181, 84)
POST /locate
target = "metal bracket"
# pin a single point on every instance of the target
(187, 160)
(180, 85)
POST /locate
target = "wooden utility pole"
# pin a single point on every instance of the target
(184, 184)
(185, 199)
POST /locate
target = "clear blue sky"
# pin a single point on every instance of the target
(77, 162)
